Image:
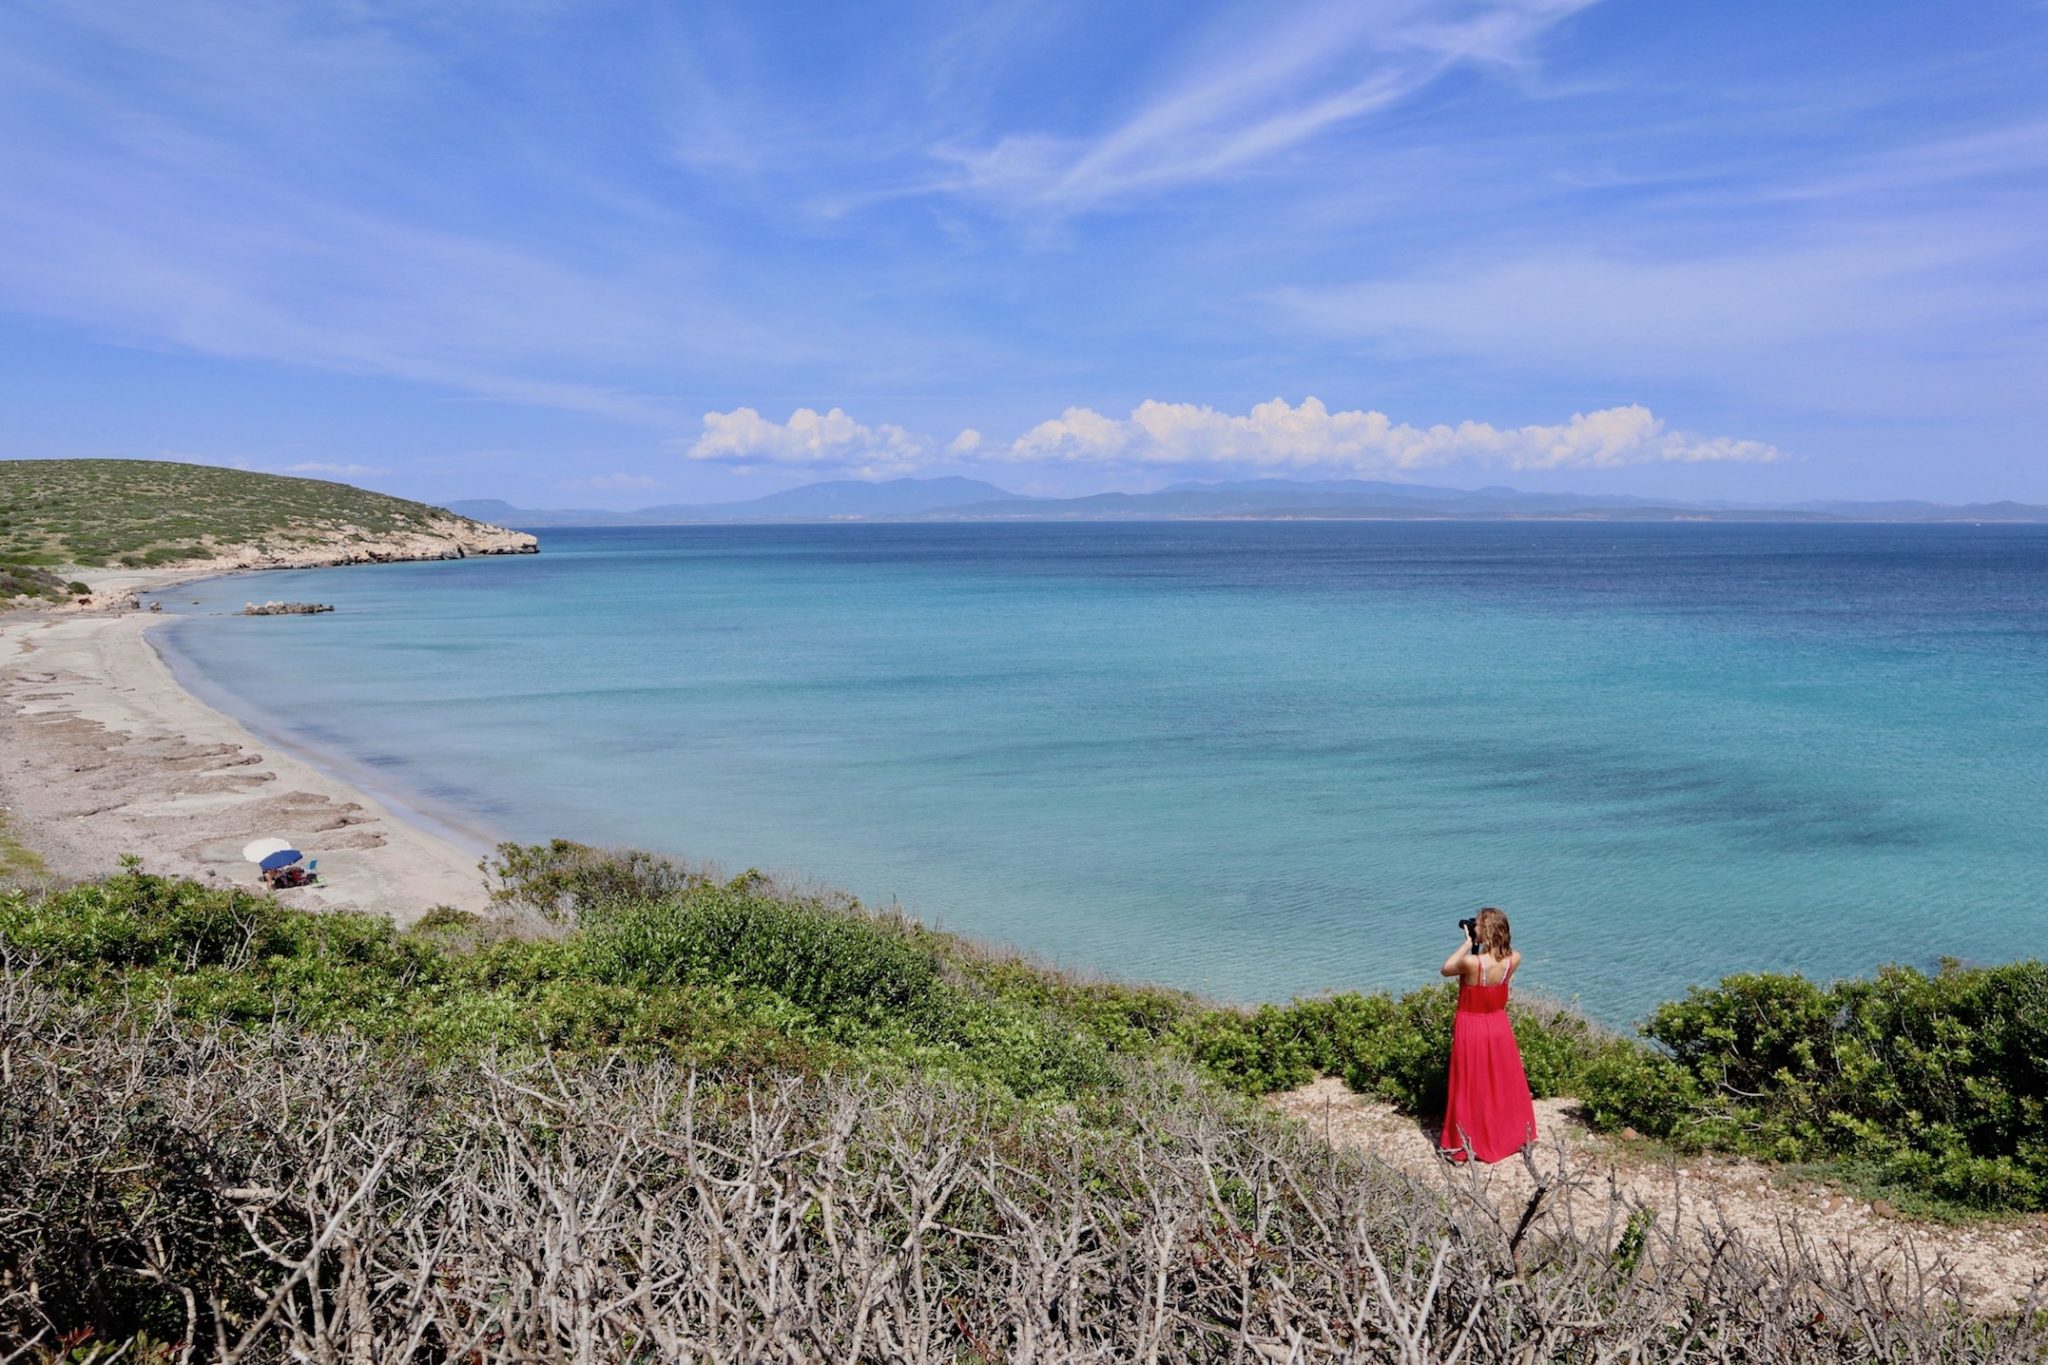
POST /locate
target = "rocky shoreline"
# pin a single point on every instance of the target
(452, 538)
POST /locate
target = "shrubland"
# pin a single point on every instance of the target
(1933, 1087)
(1929, 1088)
(35, 583)
(676, 1113)
(147, 513)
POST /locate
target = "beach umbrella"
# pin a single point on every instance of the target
(284, 857)
(260, 849)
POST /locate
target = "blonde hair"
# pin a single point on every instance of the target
(1492, 933)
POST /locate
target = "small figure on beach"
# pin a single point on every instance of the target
(1489, 1113)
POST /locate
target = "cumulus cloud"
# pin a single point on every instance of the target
(809, 439)
(1279, 436)
(1275, 437)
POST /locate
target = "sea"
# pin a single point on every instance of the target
(1253, 759)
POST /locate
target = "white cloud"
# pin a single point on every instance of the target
(1275, 437)
(1294, 74)
(289, 219)
(1279, 437)
(346, 471)
(809, 439)
(1931, 314)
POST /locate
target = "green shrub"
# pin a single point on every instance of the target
(561, 879)
(1255, 1052)
(720, 976)
(1628, 1086)
(1123, 1018)
(1937, 1085)
(832, 964)
(1933, 1085)
(1395, 1047)
(446, 919)
(22, 577)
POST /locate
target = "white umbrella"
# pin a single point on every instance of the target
(262, 848)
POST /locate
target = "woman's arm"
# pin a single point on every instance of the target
(1454, 965)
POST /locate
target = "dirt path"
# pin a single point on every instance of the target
(1994, 1264)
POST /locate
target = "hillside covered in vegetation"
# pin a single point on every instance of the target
(221, 1108)
(150, 513)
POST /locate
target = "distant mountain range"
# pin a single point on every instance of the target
(956, 499)
(834, 500)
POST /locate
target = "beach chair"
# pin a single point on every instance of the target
(313, 870)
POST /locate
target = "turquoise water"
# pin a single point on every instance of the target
(1251, 759)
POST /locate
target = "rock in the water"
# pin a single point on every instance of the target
(286, 609)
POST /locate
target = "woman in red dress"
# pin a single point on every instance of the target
(1489, 1114)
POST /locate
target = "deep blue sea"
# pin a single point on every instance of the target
(1255, 759)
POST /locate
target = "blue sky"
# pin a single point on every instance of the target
(613, 254)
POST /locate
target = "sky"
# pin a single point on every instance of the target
(617, 253)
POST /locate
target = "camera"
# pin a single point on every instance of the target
(1470, 926)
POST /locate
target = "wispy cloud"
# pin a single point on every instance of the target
(233, 182)
(2008, 155)
(1254, 95)
(1273, 436)
(590, 224)
(1837, 321)
(345, 471)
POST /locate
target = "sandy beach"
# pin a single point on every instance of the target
(106, 754)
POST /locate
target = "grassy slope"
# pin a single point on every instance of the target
(20, 865)
(34, 582)
(142, 513)
(1935, 1088)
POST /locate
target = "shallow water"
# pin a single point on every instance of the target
(1253, 759)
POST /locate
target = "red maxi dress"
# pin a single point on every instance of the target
(1489, 1108)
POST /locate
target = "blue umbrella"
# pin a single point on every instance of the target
(284, 857)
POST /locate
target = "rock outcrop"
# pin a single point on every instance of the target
(452, 538)
(276, 608)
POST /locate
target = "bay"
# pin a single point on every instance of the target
(1252, 759)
